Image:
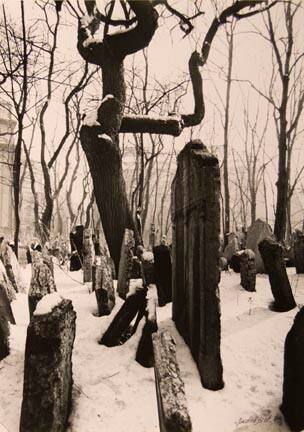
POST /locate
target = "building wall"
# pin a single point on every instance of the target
(7, 125)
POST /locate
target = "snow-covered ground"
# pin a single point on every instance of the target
(113, 393)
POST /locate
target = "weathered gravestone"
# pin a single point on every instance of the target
(47, 387)
(4, 336)
(42, 281)
(299, 252)
(125, 263)
(163, 273)
(103, 285)
(12, 267)
(256, 233)
(272, 254)
(170, 390)
(232, 247)
(293, 384)
(134, 305)
(248, 270)
(88, 255)
(146, 259)
(195, 265)
(4, 280)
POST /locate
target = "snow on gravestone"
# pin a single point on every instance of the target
(195, 258)
(48, 379)
(247, 269)
(272, 254)
(103, 285)
(293, 384)
(256, 233)
(170, 390)
(125, 263)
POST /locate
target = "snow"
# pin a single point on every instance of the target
(105, 137)
(91, 41)
(47, 303)
(91, 119)
(113, 393)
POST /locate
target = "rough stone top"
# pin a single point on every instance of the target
(198, 149)
(47, 303)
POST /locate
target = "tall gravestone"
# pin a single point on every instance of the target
(47, 388)
(257, 232)
(195, 256)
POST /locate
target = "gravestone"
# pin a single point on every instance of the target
(232, 248)
(4, 337)
(273, 257)
(76, 240)
(235, 262)
(4, 280)
(248, 270)
(170, 390)
(195, 258)
(293, 384)
(144, 353)
(42, 281)
(12, 267)
(88, 255)
(135, 304)
(147, 265)
(299, 252)
(163, 273)
(103, 286)
(257, 232)
(47, 387)
(125, 263)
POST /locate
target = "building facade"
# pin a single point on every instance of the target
(7, 125)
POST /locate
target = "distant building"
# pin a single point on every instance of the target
(7, 125)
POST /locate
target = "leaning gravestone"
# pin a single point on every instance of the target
(125, 263)
(4, 280)
(299, 253)
(170, 390)
(47, 388)
(12, 267)
(163, 273)
(103, 286)
(272, 254)
(256, 233)
(195, 264)
(293, 384)
(248, 270)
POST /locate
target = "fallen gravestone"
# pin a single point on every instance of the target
(248, 270)
(256, 233)
(47, 388)
(170, 391)
(135, 304)
(293, 384)
(272, 254)
(125, 263)
(163, 273)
